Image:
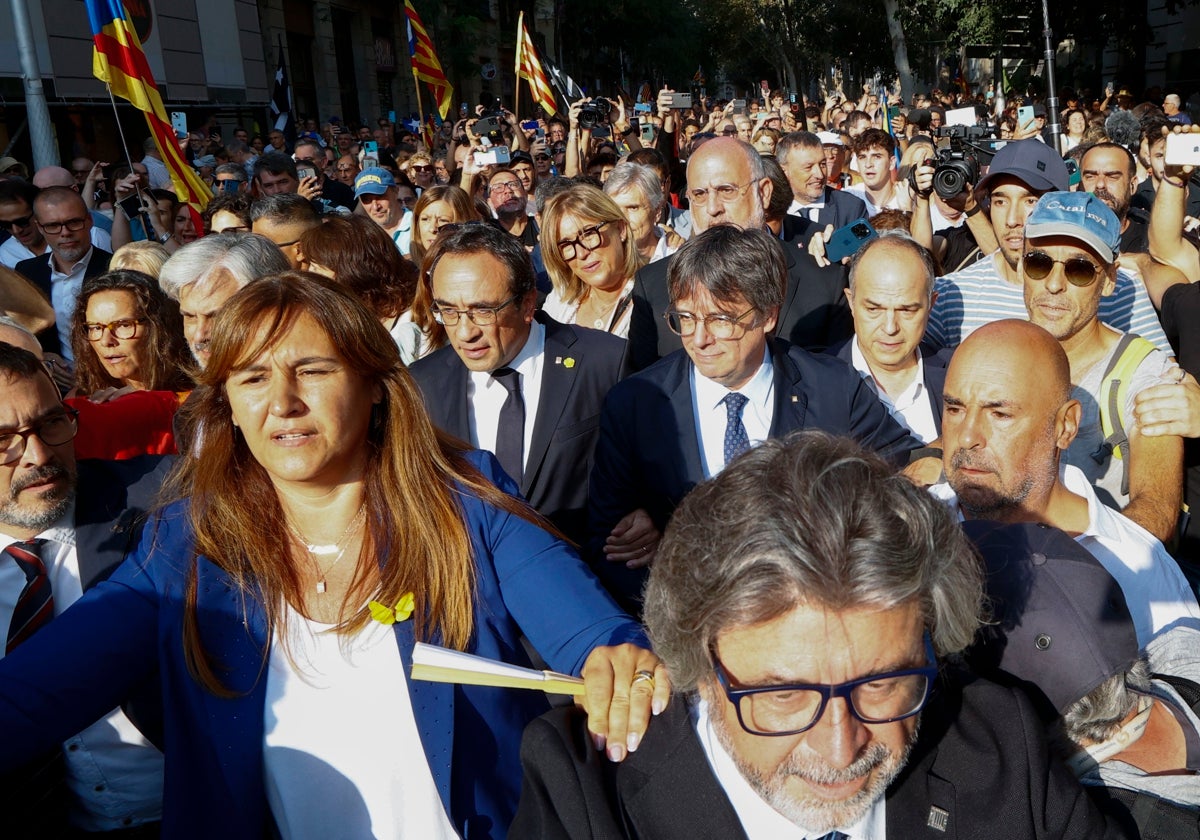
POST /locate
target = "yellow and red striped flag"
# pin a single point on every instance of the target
(118, 61)
(425, 64)
(530, 69)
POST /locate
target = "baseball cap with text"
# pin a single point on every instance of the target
(373, 181)
(1078, 215)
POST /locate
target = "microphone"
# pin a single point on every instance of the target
(1124, 129)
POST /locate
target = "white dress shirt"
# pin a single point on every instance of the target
(712, 417)
(64, 293)
(911, 408)
(115, 776)
(758, 818)
(486, 396)
(807, 211)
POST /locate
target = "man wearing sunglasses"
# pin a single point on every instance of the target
(64, 222)
(64, 525)
(804, 602)
(990, 289)
(1069, 263)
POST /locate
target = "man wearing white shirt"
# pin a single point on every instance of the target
(56, 542)
(16, 217)
(890, 294)
(803, 602)
(1004, 434)
(802, 157)
(874, 150)
(522, 386)
(731, 386)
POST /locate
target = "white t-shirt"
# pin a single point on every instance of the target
(342, 756)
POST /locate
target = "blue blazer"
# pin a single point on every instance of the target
(89, 659)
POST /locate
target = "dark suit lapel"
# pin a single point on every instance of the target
(921, 805)
(667, 790)
(679, 392)
(451, 412)
(791, 403)
(791, 255)
(560, 371)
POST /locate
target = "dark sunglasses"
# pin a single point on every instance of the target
(1079, 271)
(22, 222)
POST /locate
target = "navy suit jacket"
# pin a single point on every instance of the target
(980, 768)
(37, 271)
(814, 314)
(87, 660)
(841, 208)
(935, 373)
(568, 414)
(648, 455)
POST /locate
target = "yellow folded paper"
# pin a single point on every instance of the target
(438, 664)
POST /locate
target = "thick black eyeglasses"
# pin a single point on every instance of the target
(775, 710)
(1079, 271)
(480, 316)
(22, 222)
(718, 325)
(54, 430)
(589, 239)
(57, 227)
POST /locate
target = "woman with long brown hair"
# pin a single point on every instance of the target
(437, 207)
(322, 527)
(126, 333)
(358, 254)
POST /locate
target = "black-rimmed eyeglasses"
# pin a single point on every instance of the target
(791, 709)
(480, 316)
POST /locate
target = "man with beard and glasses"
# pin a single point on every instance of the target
(1004, 433)
(63, 527)
(806, 601)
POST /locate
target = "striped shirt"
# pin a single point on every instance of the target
(979, 294)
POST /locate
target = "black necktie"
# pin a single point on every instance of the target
(35, 604)
(510, 429)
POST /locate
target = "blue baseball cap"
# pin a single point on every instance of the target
(1079, 215)
(373, 181)
(1031, 161)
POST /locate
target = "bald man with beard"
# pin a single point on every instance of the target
(1004, 433)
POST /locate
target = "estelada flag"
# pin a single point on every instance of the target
(530, 69)
(425, 64)
(118, 61)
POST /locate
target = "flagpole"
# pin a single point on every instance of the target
(517, 62)
(120, 130)
(420, 107)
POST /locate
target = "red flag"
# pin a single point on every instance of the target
(530, 69)
(425, 64)
(118, 61)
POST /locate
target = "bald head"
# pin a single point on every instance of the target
(1008, 414)
(726, 162)
(13, 333)
(53, 176)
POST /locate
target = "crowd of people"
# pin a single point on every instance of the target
(843, 450)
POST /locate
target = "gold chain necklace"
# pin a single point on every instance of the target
(315, 550)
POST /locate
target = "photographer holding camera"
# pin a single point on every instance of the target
(596, 119)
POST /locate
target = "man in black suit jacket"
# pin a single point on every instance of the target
(650, 453)
(571, 372)
(813, 313)
(66, 224)
(891, 295)
(83, 518)
(801, 603)
(803, 160)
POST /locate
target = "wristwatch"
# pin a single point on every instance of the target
(163, 239)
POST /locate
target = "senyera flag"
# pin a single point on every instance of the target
(425, 64)
(530, 69)
(118, 61)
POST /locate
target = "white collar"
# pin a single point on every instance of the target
(757, 390)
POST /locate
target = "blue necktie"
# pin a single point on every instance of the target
(835, 835)
(736, 439)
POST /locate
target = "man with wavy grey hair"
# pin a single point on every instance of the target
(206, 273)
(808, 603)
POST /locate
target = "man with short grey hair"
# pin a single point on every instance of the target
(204, 274)
(805, 603)
(730, 387)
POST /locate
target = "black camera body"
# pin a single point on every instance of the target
(955, 170)
(594, 112)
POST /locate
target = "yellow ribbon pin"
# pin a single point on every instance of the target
(390, 615)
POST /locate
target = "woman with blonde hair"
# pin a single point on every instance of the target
(591, 258)
(146, 257)
(322, 528)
